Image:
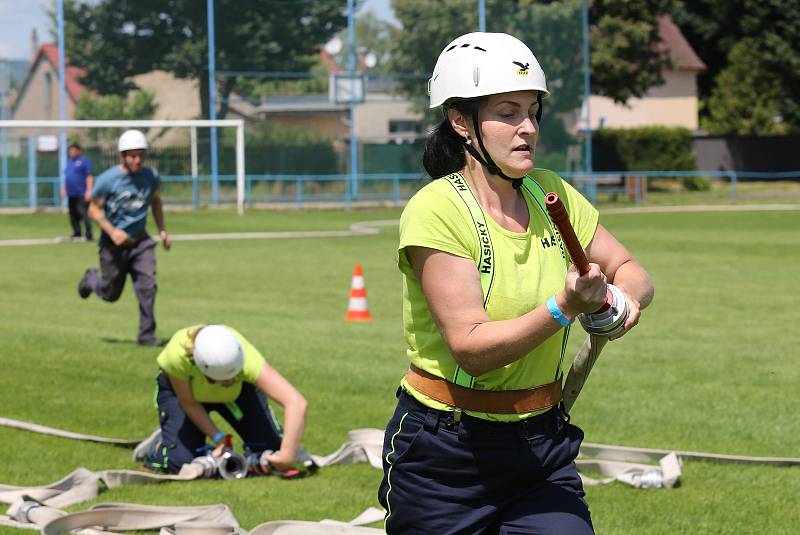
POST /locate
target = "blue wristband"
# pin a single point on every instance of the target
(556, 312)
(216, 439)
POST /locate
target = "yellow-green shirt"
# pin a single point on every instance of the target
(176, 361)
(528, 268)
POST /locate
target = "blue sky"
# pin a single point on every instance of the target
(19, 17)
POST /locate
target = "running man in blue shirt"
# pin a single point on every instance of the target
(120, 200)
(78, 182)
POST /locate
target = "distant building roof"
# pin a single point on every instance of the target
(675, 44)
(73, 74)
(49, 52)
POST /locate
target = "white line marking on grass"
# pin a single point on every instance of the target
(363, 228)
(367, 228)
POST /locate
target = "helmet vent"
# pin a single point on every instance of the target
(451, 48)
(476, 47)
(465, 45)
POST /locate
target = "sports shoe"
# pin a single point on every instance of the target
(147, 446)
(84, 289)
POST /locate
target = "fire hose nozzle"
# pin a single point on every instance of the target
(229, 465)
(610, 320)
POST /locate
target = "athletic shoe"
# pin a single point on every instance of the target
(84, 289)
(147, 445)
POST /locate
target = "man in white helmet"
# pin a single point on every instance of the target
(213, 368)
(121, 198)
(479, 442)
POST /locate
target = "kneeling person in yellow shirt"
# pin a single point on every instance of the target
(207, 368)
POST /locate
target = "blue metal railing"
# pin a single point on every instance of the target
(336, 188)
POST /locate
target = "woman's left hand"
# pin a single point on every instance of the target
(634, 312)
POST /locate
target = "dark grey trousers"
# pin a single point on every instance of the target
(115, 263)
(78, 212)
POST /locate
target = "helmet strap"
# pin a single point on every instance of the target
(486, 160)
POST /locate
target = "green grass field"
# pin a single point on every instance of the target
(713, 366)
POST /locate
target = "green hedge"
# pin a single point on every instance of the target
(652, 148)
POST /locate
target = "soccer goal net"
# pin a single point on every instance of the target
(33, 155)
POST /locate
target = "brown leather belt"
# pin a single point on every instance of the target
(489, 401)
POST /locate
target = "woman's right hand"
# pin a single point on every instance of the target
(583, 293)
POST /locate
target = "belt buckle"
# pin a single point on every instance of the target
(457, 415)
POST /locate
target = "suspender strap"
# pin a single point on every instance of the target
(485, 255)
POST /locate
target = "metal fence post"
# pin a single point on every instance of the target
(32, 172)
(195, 181)
(637, 195)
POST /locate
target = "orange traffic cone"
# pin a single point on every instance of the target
(357, 309)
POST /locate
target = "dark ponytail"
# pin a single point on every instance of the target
(444, 148)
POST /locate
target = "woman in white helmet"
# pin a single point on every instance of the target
(478, 442)
(208, 368)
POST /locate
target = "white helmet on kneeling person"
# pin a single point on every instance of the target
(218, 353)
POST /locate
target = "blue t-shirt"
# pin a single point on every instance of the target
(75, 175)
(127, 197)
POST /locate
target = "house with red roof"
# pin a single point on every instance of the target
(37, 97)
(674, 103)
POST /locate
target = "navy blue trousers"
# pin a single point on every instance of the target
(475, 476)
(180, 441)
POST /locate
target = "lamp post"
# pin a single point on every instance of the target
(351, 66)
(212, 101)
(587, 88)
(62, 95)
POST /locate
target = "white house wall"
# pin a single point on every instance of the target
(672, 104)
(374, 116)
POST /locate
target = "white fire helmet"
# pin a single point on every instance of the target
(479, 64)
(132, 140)
(218, 353)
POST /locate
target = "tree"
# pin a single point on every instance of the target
(623, 35)
(625, 61)
(372, 35)
(745, 99)
(117, 39)
(136, 105)
(772, 31)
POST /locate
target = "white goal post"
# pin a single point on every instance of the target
(177, 123)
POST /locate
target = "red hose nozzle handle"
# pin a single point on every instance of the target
(558, 213)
